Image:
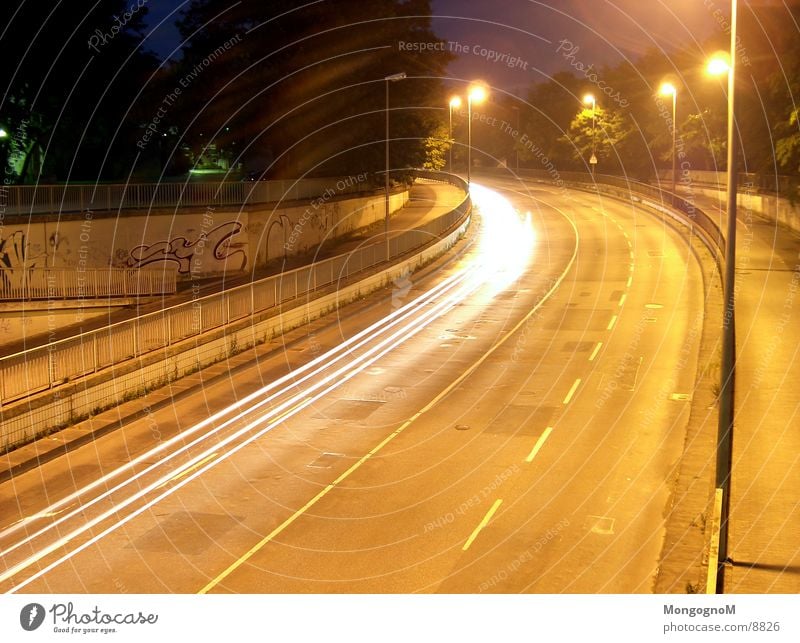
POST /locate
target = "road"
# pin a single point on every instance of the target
(509, 420)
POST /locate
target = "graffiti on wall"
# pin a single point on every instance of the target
(181, 251)
(16, 258)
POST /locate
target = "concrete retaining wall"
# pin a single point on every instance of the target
(766, 205)
(209, 241)
(72, 401)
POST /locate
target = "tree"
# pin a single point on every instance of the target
(546, 118)
(787, 149)
(69, 79)
(437, 148)
(599, 131)
(298, 90)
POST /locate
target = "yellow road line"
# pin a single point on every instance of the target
(292, 409)
(275, 532)
(196, 465)
(630, 281)
(595, 351)
(482, 524)
(539, 444)
(612, 322)
(572, 391)
(622, 299)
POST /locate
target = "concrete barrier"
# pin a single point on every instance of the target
(75, 400)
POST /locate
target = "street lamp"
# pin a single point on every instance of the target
(516, 151)
(720, 65)
(476, 94)
(589, 98)
(388, 79)
(455, 103)
(668, 89)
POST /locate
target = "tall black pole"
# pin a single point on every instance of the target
(674, 134)
(386, 176)
(469, 137)
(726, 407)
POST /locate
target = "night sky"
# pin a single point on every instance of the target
(605, 31)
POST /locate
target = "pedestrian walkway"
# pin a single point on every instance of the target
(427, 200)
(764, 538)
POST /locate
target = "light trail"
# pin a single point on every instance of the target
(499, 221)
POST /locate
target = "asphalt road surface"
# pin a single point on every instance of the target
(509, 421)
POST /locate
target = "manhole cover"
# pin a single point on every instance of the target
(462, 427)
(325, 461)
(600, 525)
(680, 397)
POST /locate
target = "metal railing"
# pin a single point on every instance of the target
(636, 191)
(71, 283)
(54, 199)
(772, 184)
(45, 367)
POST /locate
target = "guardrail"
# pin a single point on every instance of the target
(71, 283)
(644, 193)
(45, 367)
(774, 184)
(54, 199)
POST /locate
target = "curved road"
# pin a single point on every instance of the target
(507, 420)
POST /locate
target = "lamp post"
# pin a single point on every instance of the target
(589, 98)
(719, 66)
(668, 89)
(455, 103)
(516, 151)
(476, 94)
(388, 79)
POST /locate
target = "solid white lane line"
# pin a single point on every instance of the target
(432, 404)
(452, 285)
(335, 380)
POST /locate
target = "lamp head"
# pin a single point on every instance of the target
(718, 64)
(667, 89)
(477, 93)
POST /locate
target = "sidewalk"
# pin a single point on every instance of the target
(427, 200)
(764, 538)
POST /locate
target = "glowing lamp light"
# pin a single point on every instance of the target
(667, 89)
(718, 65)
(455, 102)
(477, 93)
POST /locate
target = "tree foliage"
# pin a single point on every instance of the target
(300, 89)
(70, 78)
